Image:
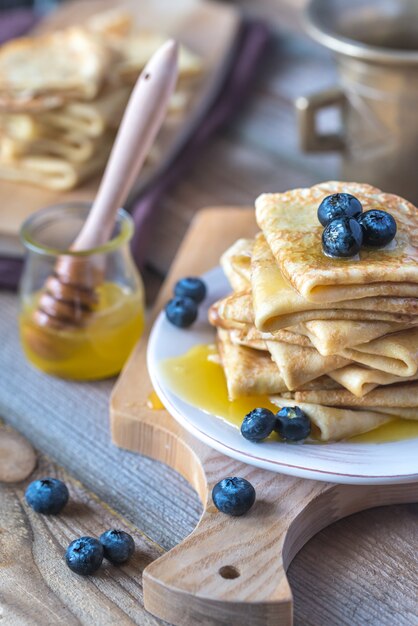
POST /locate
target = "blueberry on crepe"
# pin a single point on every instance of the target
(379, 228)
(342, 237)
(258, 424)
(338, 205)
(293, 424)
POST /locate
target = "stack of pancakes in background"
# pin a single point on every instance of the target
(337, 337)
(62, 96)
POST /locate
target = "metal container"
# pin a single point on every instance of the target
(375, 43)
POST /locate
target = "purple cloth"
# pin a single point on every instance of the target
(242, 62)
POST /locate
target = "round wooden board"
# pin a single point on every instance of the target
(229, 570)
(17, 457)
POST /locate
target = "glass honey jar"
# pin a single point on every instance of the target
(96, 341)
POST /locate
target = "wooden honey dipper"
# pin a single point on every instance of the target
(68, 296)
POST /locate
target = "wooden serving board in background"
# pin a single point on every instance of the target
(195, 23)
(229, 570)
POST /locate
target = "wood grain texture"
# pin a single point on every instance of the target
(231, 569)
(36, 586)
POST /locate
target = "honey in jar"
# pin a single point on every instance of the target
(98, 347)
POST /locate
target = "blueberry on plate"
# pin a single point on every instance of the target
(342, 238)
(181, 312)
(118, 546)
(292, 423)
(258, 424)
(47, 495)
(338, 205)
(191, 287)
(379, 228)
(84, 555)
(233, 496)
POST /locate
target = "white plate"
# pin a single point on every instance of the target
(342, 462)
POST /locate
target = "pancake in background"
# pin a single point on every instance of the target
(53, 173)
(333, 424)
(290, 225)
(38, 73)
(299, 365)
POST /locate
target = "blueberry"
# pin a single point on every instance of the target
(233, 496)
(258, 424)
(84, 555)
(379, 228)
(48, 495)
(338, 205)
(191, 287)
(342, 238)
(118, 546)
(292, 423)
(181, 312)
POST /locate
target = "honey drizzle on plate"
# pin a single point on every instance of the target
(198, 379)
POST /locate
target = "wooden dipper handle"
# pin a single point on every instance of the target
(141, 122)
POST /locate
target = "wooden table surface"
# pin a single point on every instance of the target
(362, 570)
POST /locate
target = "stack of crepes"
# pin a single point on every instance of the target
(62, 96)
(336, 337)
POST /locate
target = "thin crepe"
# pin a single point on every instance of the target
(332, 424)
(402, 395)
(361, 380)
(299, 365)
(290, 225)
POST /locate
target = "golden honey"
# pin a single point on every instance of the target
(199, 380)
(97, 350)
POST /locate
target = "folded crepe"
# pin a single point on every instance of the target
(236, 264)
(332, 424)
(38, 73)
(52, 173)
(333, 336)
(251, 337)
(299, 365)
(278, 305)
(290, 225)
(390, 397)
(395, 354)
(237, 309)
(360, 380)
(70, 146)
(248, 372)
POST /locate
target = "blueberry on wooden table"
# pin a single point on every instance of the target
(379, 228)
(258, 424)
(233, 496)
(342, 238)
(181, 311)
(338, 205)
(293, 424)
(84, 556)
(47, 495)
(118, 546)
(191, 287)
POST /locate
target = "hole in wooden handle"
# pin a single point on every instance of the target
(229, 571)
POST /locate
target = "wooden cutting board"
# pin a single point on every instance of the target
(229, 571)
(195, 23)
